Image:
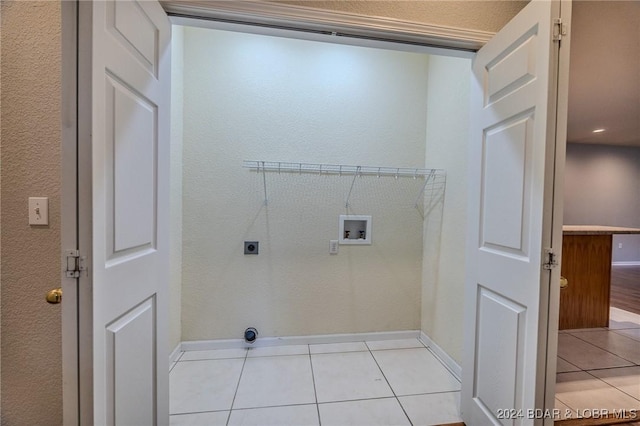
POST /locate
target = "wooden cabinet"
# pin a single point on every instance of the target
(586, 264)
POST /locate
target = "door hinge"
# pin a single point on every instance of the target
(74, 263)
(550, 261)
(559, 29)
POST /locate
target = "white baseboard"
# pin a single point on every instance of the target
(436, 350)
(202, 345)
(175, 353)
(630, 263)
(449, 362)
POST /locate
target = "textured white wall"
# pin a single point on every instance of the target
(31, 138)
(444, 230)
(256, 97)
(602, 187)
(175, 195)
(479, 15)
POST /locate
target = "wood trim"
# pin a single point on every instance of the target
(336, 23)
(602, 421)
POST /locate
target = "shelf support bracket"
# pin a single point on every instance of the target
(355, 175)
(426, 182)
(264, 183)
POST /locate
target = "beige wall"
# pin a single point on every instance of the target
(31, 135)
(477, 15)
(253, 97)
(444, 230)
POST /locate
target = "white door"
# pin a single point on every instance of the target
(130, 205)
(511, 195)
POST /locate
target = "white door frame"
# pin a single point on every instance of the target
(559, 157)
(69, 217)
(76, 213)
(76, 155)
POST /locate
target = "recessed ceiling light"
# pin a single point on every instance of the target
(599, 130)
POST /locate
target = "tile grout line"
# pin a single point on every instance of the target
(445, 366)
(211, 359)
(588, 371)
(313, 380)
(605, 350)
(389, 384)
(568, 362)
(609, 384)
(573, 410)
(617, 331)
(174, 363)
(197, 412)
(237, 386)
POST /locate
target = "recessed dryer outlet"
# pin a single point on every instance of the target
(251, 247)
(355, 229)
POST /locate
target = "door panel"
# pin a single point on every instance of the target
(512, 149)
(131, 124)
(135, 31)
(513, 68)
(499, 375)
(130, 345)
(506, 159)
(130, 89)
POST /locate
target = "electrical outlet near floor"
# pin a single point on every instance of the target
(251, 247)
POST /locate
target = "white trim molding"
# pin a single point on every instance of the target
(627, 263)
(175, 354)
(201, 345)
(336, 23)
(444, 357)
(438, 352)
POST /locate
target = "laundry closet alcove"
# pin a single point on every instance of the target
(244, 96)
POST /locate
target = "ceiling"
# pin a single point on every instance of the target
(604, 88)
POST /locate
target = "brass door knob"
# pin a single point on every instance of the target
(564, 283)
(54, 296)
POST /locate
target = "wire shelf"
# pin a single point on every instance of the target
(339, 169)
(435, 179)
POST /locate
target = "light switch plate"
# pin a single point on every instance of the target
(38, 211)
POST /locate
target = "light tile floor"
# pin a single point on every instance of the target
(599, 369)
(392, 382)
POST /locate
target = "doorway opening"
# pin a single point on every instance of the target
(245, 97)
(599, 339)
